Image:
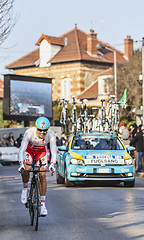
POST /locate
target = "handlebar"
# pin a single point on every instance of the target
(36, 170)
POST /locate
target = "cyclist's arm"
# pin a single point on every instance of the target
(23, 147)
(53, 149)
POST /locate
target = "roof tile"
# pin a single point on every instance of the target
(27, 60)
(51, 40)
(75, 49)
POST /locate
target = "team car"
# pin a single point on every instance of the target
(95, 156)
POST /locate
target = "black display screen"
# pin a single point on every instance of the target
(26, 98)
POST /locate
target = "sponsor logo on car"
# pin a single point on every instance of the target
(104, 159)
(80, 169)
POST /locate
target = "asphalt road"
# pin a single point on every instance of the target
(94, 212)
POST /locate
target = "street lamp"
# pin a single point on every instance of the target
(115, 67)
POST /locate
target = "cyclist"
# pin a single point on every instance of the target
(35, 141)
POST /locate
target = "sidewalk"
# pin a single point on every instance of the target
(140, 174)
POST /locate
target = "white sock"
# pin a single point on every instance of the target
(42, 198)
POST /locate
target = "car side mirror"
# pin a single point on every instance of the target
(62, 148)
(130, 148)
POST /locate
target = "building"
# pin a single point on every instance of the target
(74, 62)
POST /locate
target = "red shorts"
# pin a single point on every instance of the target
(42, 154)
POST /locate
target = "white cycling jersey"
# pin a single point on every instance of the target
(36, 144)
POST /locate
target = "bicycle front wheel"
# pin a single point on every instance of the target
(30, 201)
(36, 205)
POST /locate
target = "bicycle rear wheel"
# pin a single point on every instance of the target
(36, 205)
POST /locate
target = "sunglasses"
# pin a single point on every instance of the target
(41, 130)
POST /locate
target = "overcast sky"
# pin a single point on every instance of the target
(113, 20)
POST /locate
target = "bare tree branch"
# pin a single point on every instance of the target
(7, 20)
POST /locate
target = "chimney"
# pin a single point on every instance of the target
(128, 45)
(92, 43)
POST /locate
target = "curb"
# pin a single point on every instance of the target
(140, 174)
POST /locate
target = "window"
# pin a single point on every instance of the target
(65, 88)
(106, 86)
(97, 143)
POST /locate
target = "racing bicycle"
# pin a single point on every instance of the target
(83, 118)
(113, 115)
(64, 118)
(102, 120)
(33, 202)
(74, 116)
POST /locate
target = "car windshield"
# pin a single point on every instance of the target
(96, 143)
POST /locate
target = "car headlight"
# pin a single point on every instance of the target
(127, 159)
(75, 161)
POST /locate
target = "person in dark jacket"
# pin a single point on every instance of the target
(63, 139)
(57, 139)
(138, 142)
(133, 130)
(19, 140)
(11, 139)
(133, 133)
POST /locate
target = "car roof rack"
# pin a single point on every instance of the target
(100, 132)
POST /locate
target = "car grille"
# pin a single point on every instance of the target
(101, 175)
(104, 164)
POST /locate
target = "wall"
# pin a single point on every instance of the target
(17, 131)
(81, 75)
(47, 52)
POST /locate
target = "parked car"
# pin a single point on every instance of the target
(95, 157)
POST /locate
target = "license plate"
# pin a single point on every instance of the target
(104, 170)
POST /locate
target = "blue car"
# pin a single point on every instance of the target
(95, 157)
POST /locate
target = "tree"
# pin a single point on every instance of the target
(3, 123)
(128, 78)
(7, 21)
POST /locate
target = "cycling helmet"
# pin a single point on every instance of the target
(42, 123)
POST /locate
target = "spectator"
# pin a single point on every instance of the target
(138, 141)
(133, 132)
(19, 140)
(124, 134)
(63, 139)
(57, 139)
(4, 142)
(11, 139)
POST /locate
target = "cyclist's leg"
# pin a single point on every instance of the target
(27, 159)
(42, 175)
(43, 183)
(25, 177)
